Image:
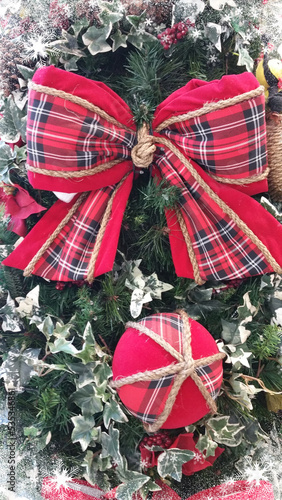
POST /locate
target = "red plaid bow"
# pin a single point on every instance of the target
(210, 141)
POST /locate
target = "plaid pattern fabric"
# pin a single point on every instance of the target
(64, 136)
(68, 257)
(229, 142)
(152, 395)
(222, 249)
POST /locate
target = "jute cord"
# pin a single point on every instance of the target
(75, 173)
(185, 367)
(274, 147)
(142, 156)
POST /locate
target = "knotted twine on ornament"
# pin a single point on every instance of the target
(208, 139)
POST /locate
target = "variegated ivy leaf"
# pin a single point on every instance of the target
(126, 490)
(245, 59)
(223, 432)
(213, 33)
(101, 373)
(79, 25)
(7, 157)
(110, 445)
(84, 372)
(13, 122)
(110, 12)
(95, 39)
(90, 348)
(29, 303)
(170, 462)
(240, 357)
(85, 431)
(18, 368)
(119, 40)
(68, 45)
(271, 208)
(63, 345)
(206, 445)
(235, 332)
(149, 486)
(87, 400)
(11, 321)
(243, 392)
(220, 4)
(46, 327)
(113, 411)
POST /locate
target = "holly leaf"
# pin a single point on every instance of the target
(110, 445)
(119, 40)
(87, 400)
(84, 431)
(113, 411)
(95, 39)
(170, 462)
(126, 490)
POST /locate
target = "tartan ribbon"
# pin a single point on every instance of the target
(212, 154)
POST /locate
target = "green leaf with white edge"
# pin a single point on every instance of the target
(213, 33)
(95, 39)
(245, 59)
(31, 431)
(170, 462)
(9, 130)
(84, 372)
(63, 345)
(102, 392)
(47, 327)
(137, 20)
(220, 4)
(119, 40)
(137, 37)
(21, 153)
(26, 72)
(206, 445)
(87, 400)
(271, 208)
(79, 25)
(7, 157)
(230, 332)
(84, 431)
(110, 12)
(102, 372)
(95, 469)
(113, 411)
(126, 490)
(110, 445)
(223, 432)
(67, 45)
(70, 64)
(247, 310)
(61, 330)
(149, 486)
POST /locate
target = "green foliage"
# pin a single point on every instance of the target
(267, 343)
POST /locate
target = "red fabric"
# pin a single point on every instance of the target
(137, 353)
(52, 490)
(19, 206)
(228, 143)
(240, 490)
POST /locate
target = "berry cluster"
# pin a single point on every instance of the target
(161, 438)
(171, 35)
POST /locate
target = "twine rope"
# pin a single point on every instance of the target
(142, 156)
(30, 267)
(76, 173)
(183, 369)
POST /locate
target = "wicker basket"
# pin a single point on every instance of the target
(274, 146)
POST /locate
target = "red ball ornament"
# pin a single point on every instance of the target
(167, 370)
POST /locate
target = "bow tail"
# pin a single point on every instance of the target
(216, 232)
(76, 240)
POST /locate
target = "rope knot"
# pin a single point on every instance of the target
(143, 152)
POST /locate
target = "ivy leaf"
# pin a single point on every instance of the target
(113, 411)
(89, 347)
(63, 345)
(126, 490)
(110, 12)
(70, 63)
(78, 26)
(135, 21)
(110, 445)
(84, 431)
(170, 462)
(47, 327)
(119, 40)
(271, 209)
(87, 400)
(26, 72)
(213, 33)
(138, 37)
(149, 486)
(219, 4)
(101, 373)
(224, 432)
(13, 123)
(84, 372)
(7, 157)
(101, 391)
(245, 59)
(68, 45)
(207, 445)
(18, 368)
(95, 39)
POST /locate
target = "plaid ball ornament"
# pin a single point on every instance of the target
(167, 370)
